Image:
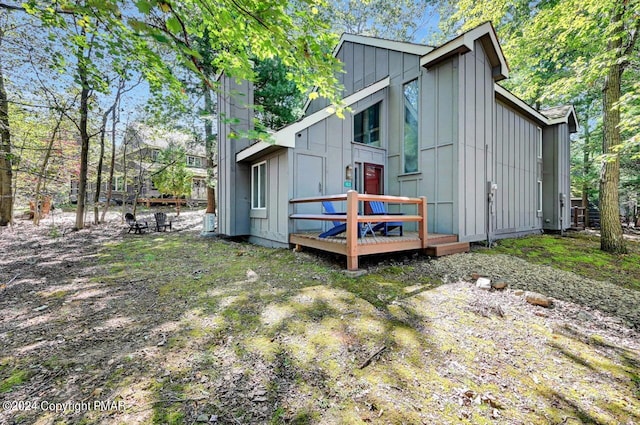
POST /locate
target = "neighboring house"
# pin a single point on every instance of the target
(425, 121)
(143, 145)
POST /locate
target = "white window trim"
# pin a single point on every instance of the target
(539, 186)
(417, 171)
(118, 185)
(193, 161)
(539, 143)
(257, 185)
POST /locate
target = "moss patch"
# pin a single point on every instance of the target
(577, 253)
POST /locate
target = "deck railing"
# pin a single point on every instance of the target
(352, 218)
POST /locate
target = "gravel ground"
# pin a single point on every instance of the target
(623, 304)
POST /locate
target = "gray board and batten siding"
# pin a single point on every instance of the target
(234, 188)
(467, 139)
(556, 188)
(270, 226)
(478, 157)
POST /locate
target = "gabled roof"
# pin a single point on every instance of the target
(564, 114)
(398, 46)
(158, 138)
(466, 43)
(285, 137)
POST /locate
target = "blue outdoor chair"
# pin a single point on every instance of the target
(385, 228)
(338, 226)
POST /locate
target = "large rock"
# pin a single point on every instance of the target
(500, 284)
(538, 299)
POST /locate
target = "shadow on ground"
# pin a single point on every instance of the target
(173, 328)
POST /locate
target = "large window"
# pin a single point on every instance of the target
(258, 186)
(366, 126)
(410, 147)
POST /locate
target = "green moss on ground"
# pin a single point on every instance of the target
(577, 253)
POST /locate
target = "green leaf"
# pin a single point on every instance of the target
(160, 37)
(143, 6)
(174, 25)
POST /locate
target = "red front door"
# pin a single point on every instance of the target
(373, 175)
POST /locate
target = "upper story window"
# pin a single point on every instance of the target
(154, 155)
(193, 161)
(117, 184)
(259, 186)
(366, 126)
(410, 146)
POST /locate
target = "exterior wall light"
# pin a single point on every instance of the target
(348, 172)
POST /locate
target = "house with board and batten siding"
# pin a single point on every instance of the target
(423, 121)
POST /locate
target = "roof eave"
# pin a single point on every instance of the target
(514, 101)
(285, 137)
(466, 43)
(570, 118)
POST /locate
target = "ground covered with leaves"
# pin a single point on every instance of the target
(110, 327)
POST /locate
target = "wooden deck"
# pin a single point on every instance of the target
(437, 244)
(352, 246)
(161, 201)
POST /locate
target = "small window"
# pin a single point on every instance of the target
(193, 161)
(154, 155)
(366, 126)
(539, 143)
(539, 196)
(410, 147)
(258, 186)
(117, 184)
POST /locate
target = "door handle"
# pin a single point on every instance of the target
(320, 187)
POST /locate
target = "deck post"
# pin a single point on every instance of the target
(352, 230)
(422, 225)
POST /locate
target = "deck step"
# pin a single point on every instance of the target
(439, 239)
(440, 249)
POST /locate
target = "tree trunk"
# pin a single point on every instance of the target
(586, 167)
(6, 164)
(612, 239)
(84, 137)
(125, 185)
(112, 163)
(96, 195)
(209, 150)
(113, 110)
(42, 175)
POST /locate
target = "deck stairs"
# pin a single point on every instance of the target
(439, 245)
